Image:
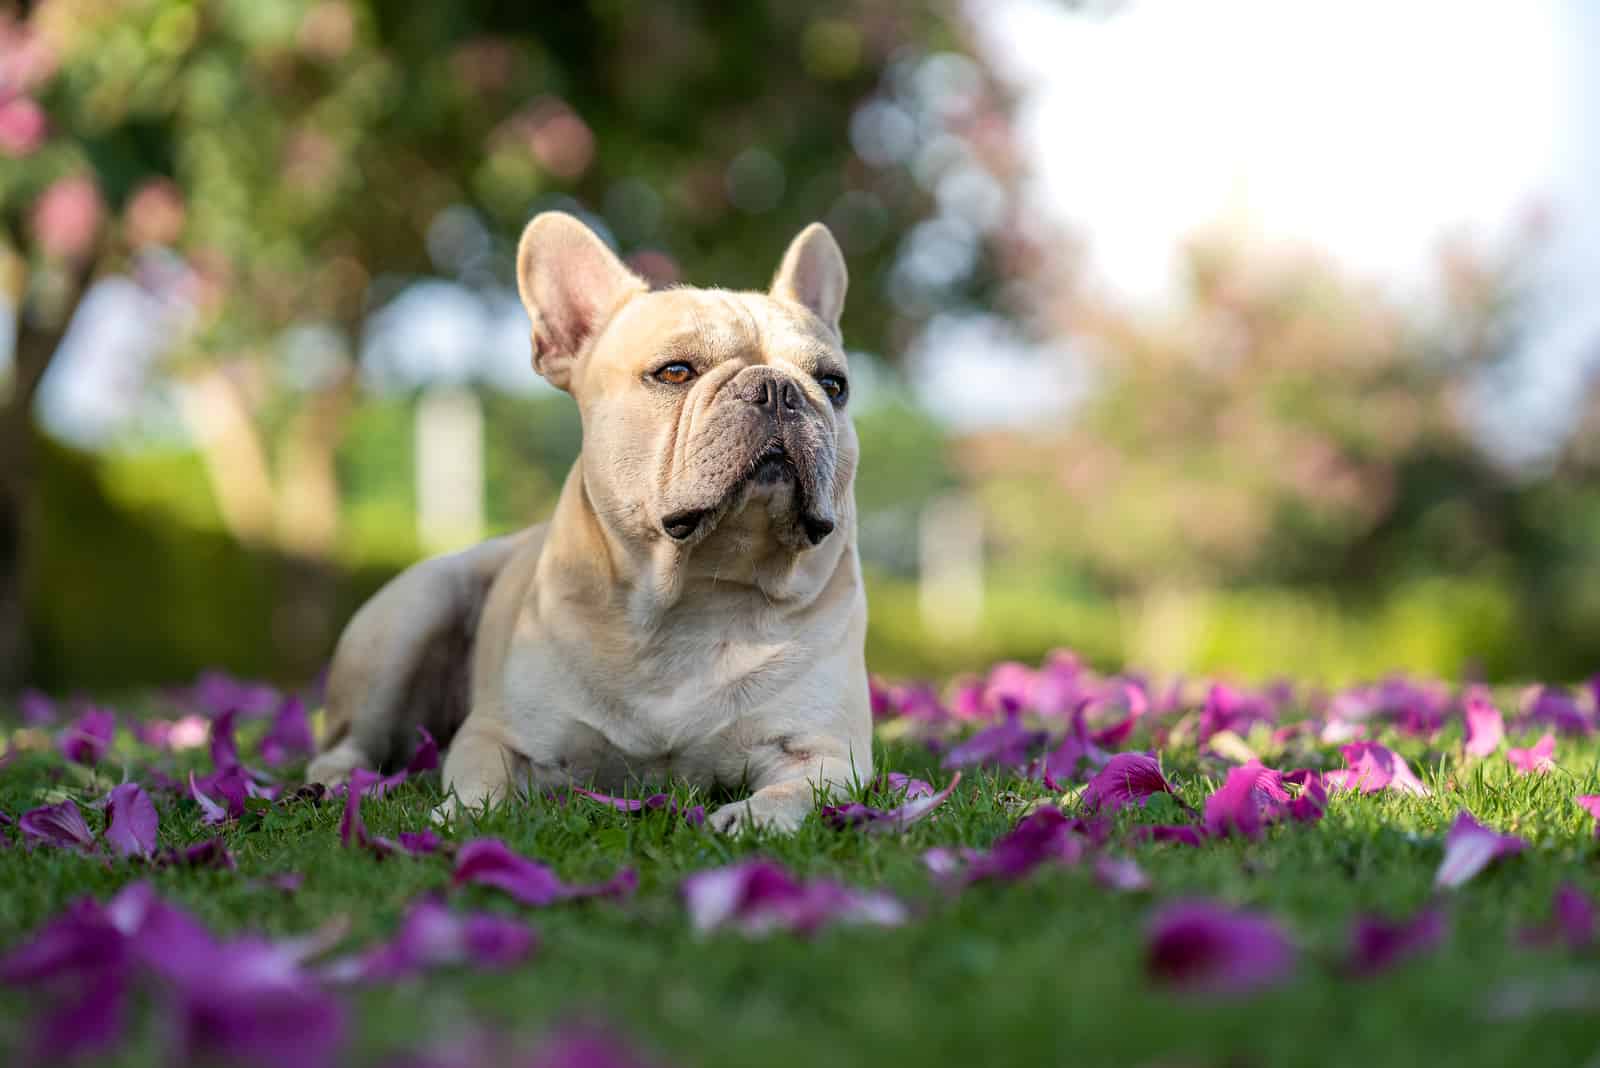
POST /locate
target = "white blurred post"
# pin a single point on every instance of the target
(449, 444)
(950, 562)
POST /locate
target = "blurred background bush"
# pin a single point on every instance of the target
(1244, 337)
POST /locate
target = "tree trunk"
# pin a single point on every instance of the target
(35, 347)
(235, 458)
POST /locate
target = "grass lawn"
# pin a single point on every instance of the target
(1046, 970)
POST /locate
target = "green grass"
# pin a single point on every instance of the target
(1048, 971)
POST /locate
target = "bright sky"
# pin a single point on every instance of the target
(1370, 128)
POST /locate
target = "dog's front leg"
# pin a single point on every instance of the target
(480, 770)
(786, 776)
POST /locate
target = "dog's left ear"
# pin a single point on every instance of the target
(572, 285)
(813, 274)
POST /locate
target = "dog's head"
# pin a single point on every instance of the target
(699, 406)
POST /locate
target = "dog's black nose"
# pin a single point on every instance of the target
(681, 525)
(816, 528)
(772, 392)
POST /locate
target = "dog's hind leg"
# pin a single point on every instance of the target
(405, 660)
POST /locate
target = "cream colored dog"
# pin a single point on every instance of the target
(694, 607)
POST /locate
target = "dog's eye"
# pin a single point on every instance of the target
(835, 387)
(675, 374)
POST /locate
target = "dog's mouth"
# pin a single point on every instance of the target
(770, 467)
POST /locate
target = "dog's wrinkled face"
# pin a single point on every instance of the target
(700, 407)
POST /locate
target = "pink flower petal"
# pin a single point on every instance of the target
(131, 828)
(1205, 948)
(58, 825)
(224, 748)
(1005, 744)
(1590, 803)
(489, 862)
(1373, 767)
(1539, 757)
(1486, 727)
(1042, 837)
(894, 819)
(87, 738)
(1572, 920)
(289, 736)
(1126, 778)
(1377, 944)
(431, 936)
(758, 897)
(1250, 798)
(1469, 847)
(1180, 834)
(1117, 873)
(426, 757)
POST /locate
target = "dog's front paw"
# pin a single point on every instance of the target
(781, 816)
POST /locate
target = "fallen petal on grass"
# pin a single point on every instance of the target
(759, 897)
(132, 822)
(59, 825)
(490, 862)
(1202, 948)
(1539, 757)
(1373, 767)
(1126, 779)
(1378, 944)
(1485, 726)
(1469, 847)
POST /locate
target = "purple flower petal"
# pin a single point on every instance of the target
(229, 785)
(1043, 836)
(289, 736)
(1572, 920)
(914, 788)
(1539, 757)
(1377, 944)
(758, 897)
(87, 738)
(426, 758)
(1558, 709)
(1486, 727)
(489, 862)
(1590, 803)
(216, 692)
(1126, 778)
(1005, 744)
(37, 709)
(420, 842)
(90, 1019)
(1205, 948)
(131, 828)
(1117, 873)
(1250, 798)
(58, 825)
(1182, 834)
(353, 829)
(1469, 847)
(224, 748)
(431, 936)
(212, 853)
(81, 941)
(1312, 801)
(1373, 767)
(894, 819)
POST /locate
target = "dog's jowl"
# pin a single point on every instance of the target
(694, 607)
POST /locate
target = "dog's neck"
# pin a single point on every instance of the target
(614, 563)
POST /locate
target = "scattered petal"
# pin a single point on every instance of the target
(1118, 873)
(1469, 847)
(290, 736)
(1377, 944)
(426, 758)
(1044, 836)
(1590, 803)
(758, 897)
(1539, 757)
(58, 825)
(1006, 744)
(229, 785)
(1126, 778)
(1250, 798)
(1572, 920)
(489, 862)
(1182, 834)
(431, 936)
(87, 738)
(132, 823)
(1373, 767)
(1486, 727)
(894, 819)
(224, 748)
(1206, 948)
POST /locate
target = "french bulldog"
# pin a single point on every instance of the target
(694, 606)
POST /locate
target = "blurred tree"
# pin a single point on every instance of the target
(275, 169)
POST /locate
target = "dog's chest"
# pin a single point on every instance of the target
(687, 707)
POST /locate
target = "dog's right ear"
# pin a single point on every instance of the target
(571, 284)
